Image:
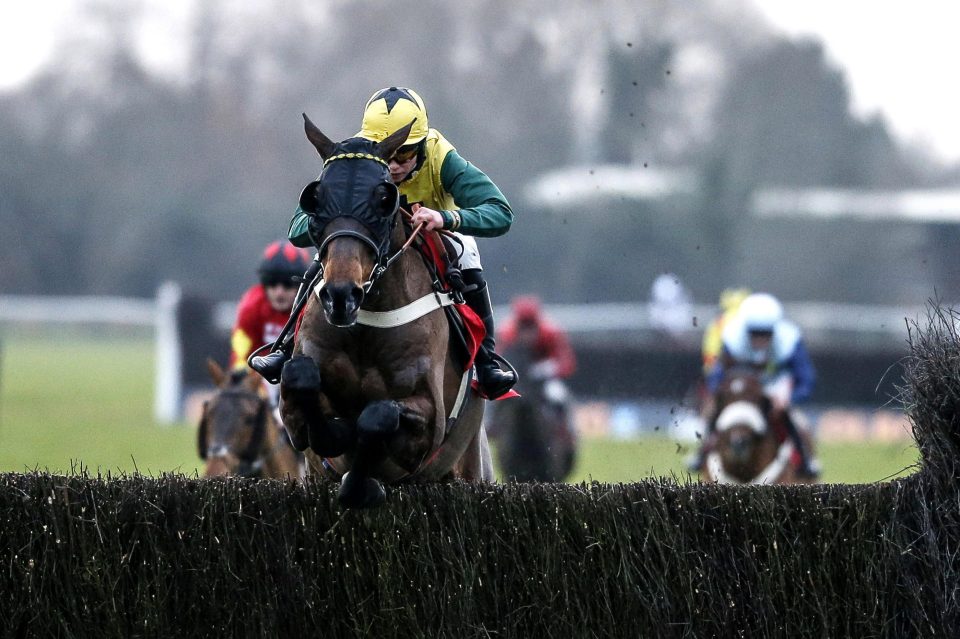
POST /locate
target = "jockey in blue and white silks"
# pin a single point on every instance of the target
(785, 354)
(759, 337)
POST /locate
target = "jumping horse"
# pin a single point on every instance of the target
(376, 390)
(238, 433)
(748, 448)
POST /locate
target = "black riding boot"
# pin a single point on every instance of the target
(270, 366)
(809, 467)
(493, 380)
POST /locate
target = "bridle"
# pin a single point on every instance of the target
(384, 260)
(251, 458)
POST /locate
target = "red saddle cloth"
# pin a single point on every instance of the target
(432, 249)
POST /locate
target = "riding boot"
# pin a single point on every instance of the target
(270, 366)
(493, 380)
(809, 467)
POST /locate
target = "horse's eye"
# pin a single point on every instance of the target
(385, 198)
(310, 197)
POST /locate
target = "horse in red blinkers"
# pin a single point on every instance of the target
(377, 390)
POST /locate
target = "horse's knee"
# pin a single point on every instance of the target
(300, 375)
(378, 420)
(299, 393)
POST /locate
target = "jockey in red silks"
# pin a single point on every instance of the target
(553, 358)
(265, 306)
(527, 327)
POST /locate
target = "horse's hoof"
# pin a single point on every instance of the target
(300, 374)
(379, 419)
(360, 492)
(331, 438)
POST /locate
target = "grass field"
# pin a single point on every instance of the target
(69, 402)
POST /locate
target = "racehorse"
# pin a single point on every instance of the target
(376, 390)
(238, 433)
(747, 447)
(534, 439)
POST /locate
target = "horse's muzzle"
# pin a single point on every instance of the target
(341, 302)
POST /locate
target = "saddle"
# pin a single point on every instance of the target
(441, 257)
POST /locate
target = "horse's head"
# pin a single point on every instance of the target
(353, 210)
(741, 426)
(234, 423)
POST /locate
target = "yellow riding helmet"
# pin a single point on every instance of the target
(730, 298)
(389, 110)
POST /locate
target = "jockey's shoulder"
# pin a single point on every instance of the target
(786, 339)
(253, 298)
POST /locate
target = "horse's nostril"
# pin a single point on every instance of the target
(325, 297)
(357, 295)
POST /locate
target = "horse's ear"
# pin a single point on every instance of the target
(321, 143)
(216, 373)
(253, 382)
(389, 146)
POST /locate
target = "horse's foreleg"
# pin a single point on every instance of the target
(378, 422)
(302, 416)
(476, 465)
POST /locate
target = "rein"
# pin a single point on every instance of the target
(381, 267)
(383, 263)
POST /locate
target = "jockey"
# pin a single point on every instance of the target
(549, 349)
(443, 191)
(730, 299)
(527, 327)
(265, 307)
(759, 337)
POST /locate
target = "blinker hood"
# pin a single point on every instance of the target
(347, 187)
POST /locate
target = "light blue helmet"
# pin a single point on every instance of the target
(761, 312)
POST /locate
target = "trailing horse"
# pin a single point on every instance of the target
(238, 433)
(377, 390)
(748, 447)
(535, 441)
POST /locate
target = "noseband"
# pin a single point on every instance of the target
(251, 461)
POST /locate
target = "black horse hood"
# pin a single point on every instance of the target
(355, 183)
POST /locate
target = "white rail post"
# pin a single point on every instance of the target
(167, 407)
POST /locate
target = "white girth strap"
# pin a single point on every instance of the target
(768, 475)
(400, 316)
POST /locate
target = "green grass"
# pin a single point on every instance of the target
(608, 460)
(70, 401)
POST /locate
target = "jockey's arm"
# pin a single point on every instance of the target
(562, 354)
(484, 211)
(240, 347)
(804, 376)
(715, 374)
(297, 232)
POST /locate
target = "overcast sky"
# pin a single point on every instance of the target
(899, 56)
